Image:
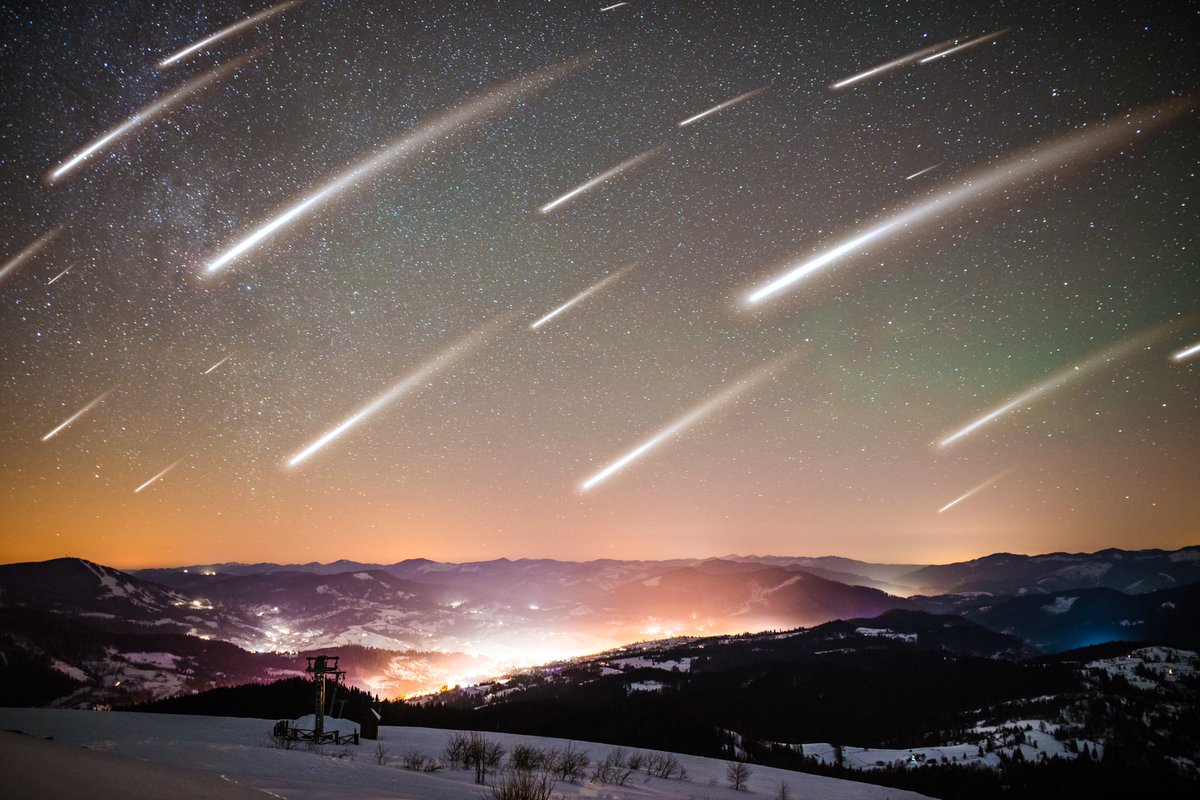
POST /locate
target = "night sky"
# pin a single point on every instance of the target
(808, 423)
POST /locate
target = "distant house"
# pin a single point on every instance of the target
(368, 724)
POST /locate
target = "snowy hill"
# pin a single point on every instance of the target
(238, 752)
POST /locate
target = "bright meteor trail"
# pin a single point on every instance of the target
(882, 69)
(1186, 353)
(219, 363)
(1059, 379)
(609, 174)
(158, 476)
(224, 33)
(978, 40)
(1087, 144)
(31, 250)
(595, 287)
(681, 424)
(741, 98)
(970, 492)
(145, 115)
(428, 133)
(921, 172)
(77, 415)
(411, 382)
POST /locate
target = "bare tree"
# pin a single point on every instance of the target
(737, 772)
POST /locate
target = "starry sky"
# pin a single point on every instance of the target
(1079, 278)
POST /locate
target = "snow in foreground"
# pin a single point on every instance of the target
(239, 752)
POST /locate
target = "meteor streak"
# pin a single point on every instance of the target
(978, 40)
(614, 5)
(595, 287)
(59, 275)
(31, 250)
(428, 133)
(226, 32)
(921, 172)
(681, 424)
(894, 64)
(219, 363)
(978, 488)
(1087, 144)
(158, 476)
(411, 382)
(145, 115)
(1059, 379)
(741, 98)
(1186, 353)
(77, 415)
(609, 174)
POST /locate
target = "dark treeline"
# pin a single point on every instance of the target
(888, 697)
(285, 699)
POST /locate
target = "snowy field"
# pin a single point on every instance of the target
(235, 756)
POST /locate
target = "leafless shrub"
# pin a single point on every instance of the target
(493, 754)
(483, 755)
(456, 750)
(473, 751)
(570, 764)
(520, 784)
(665, 765)
(279, 742)
(614, 769)
(526, 758)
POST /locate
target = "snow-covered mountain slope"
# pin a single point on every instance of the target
(238, 752)
(1129, 571)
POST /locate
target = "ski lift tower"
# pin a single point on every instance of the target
(323, 669)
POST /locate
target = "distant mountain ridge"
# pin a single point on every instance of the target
(1129, 571)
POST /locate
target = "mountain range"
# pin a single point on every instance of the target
(418, 624)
